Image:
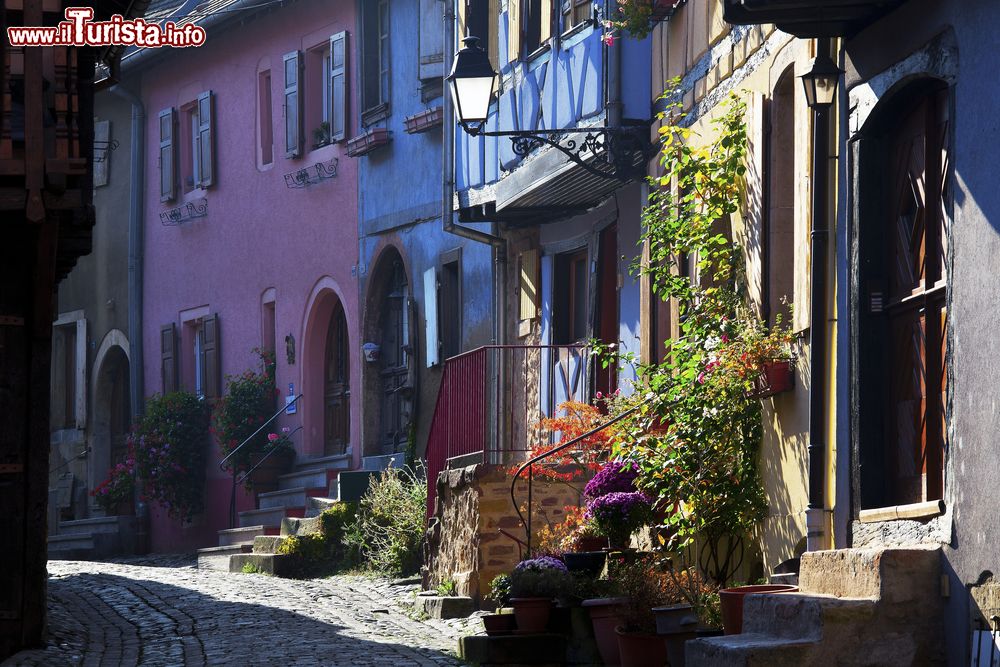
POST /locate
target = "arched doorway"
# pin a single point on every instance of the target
(112, 416)
(902, 264)
(336, 386)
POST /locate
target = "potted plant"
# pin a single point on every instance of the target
(731, 600)
(534, 583)
(321, 135)
(617, 515)
(645, 587)
(267, 465)
(582, 545)
(499, 623)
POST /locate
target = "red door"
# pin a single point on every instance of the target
(337, 386)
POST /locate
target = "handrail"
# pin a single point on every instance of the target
(535, 459)
(222, 463)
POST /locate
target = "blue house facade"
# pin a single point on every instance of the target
(570, 227)
(425, 294)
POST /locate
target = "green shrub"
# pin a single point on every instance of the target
(389, 532)
(447, 588)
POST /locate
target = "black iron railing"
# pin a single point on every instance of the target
(528, 465)
(237, 477)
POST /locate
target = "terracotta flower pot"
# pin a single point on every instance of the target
(776, 377)
(265, 477)
(606, 614)
(732, 603)
(499, 624)
(639, 649)
(532, 614)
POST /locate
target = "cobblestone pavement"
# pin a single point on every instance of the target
(164, 611)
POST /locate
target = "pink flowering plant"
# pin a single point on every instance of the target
(169, 450)
(118, 487)
(249, 401)
(631, 16)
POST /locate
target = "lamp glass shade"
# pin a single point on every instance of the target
(820, 89)
(472, 96)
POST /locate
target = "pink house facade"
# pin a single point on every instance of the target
(251, 226)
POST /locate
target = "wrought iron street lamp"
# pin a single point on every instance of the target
(820, 83)
(473, 82)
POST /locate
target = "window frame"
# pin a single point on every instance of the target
(377, 29)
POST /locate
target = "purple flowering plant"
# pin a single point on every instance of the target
(542, 577)
(614, 476)
(619, 513)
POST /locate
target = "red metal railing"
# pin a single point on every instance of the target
(491, 397)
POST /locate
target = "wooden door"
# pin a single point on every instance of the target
(916, 245)
(336, 386)
(607, 325)
(394, 358)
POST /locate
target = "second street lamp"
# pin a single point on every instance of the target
(473, 83)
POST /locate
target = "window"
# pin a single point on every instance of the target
(196, 149)
(68, 408)
(200, 365)
(571, 298)
(266, 128)
(316, 95)
(537, 24)
(480, 18)
(575, 12)
(375, 61)
(450, 308)
(778, 266)
(267, 326)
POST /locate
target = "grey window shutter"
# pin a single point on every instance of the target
(211, 361)
(168, 185)
(206, 139)
(432, 38)
(168, 358)
(293, 110)
(338, 86)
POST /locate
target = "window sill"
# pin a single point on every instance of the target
(914, 511)
(576, 30)
(375, 114)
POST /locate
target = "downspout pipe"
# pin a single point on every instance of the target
(816, 537)
(135, 242)
(614, 74)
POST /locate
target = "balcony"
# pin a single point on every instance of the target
(810, 18)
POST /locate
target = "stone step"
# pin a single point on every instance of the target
(76, 546)
(338, 462)
(817, 617)
(245, 535)
(267, 544)
(445, 606)
(315, 506)
(291, 525)
(879, 574)
(274, 564)
(217, 558)
(288, 497)
(749, 650)
(543, 649)
(379, 463)
(309, 478)
(270, 517)
(102, 524)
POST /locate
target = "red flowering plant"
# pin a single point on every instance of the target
(118, 487)
(250, 400)
(586, 457)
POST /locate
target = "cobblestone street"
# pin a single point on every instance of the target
(166, 612)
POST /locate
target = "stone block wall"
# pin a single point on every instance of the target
(464, 542)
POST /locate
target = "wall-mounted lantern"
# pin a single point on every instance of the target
(370, 351)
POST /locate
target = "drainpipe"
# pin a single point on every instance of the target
(497, 243)
(135, 217)
(614, 74)
(816, 529)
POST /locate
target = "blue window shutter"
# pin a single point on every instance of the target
(338, 87)
(206, 139)
(293, 110)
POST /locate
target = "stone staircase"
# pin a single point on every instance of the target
(854, 607)
(93, 539)
(312, 486)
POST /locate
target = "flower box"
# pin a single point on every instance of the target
(368, 141)
(776, 376)
(424, 121)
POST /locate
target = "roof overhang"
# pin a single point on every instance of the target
(809, 18)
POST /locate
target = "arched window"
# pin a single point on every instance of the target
(779, 250)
